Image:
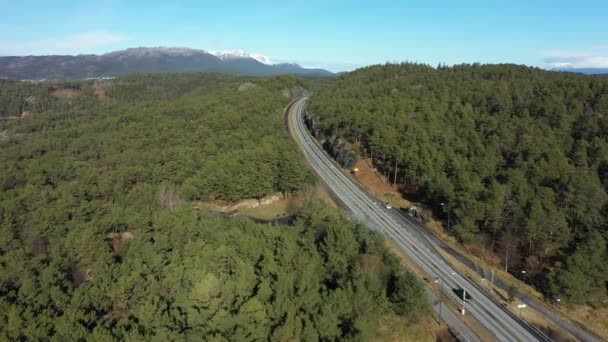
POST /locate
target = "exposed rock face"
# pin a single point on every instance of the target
(250, 203)
(269, 200)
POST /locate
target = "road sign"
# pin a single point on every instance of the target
(521, 306)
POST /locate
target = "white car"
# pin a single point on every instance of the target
(387, 205)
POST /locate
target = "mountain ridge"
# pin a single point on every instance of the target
(145, 60)
(586, 71)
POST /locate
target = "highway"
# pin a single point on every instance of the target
(364, 208)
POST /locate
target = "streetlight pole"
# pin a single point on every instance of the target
(464, 300)
(524, 273)
(438, 281)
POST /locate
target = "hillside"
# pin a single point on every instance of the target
(140, 60)
(519, 155)
(99, 239)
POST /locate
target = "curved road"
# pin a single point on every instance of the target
(364, 208)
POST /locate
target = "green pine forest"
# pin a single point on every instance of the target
(518, 154)
(99, 239)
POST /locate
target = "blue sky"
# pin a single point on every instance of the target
(338, 35)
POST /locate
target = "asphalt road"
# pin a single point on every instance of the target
(364, 208)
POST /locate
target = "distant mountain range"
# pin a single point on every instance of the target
(146, 60)
(588, 71)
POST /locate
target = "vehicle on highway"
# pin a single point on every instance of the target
(387, 205)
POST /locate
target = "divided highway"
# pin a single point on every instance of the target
(364, 208)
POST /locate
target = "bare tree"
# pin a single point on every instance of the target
(509, 243)
(167, 197)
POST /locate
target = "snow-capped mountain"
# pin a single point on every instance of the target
(239, 54)
(147, 60)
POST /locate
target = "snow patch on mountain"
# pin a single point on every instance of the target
(238, 54)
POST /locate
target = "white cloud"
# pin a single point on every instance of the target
(83, 42)
(595, 58)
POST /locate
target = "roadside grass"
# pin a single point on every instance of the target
(397, 328)
(594, 319)
(377, 184)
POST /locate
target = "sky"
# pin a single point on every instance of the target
(336, 35)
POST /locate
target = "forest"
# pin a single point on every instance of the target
(99, 239)
(518, 155)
